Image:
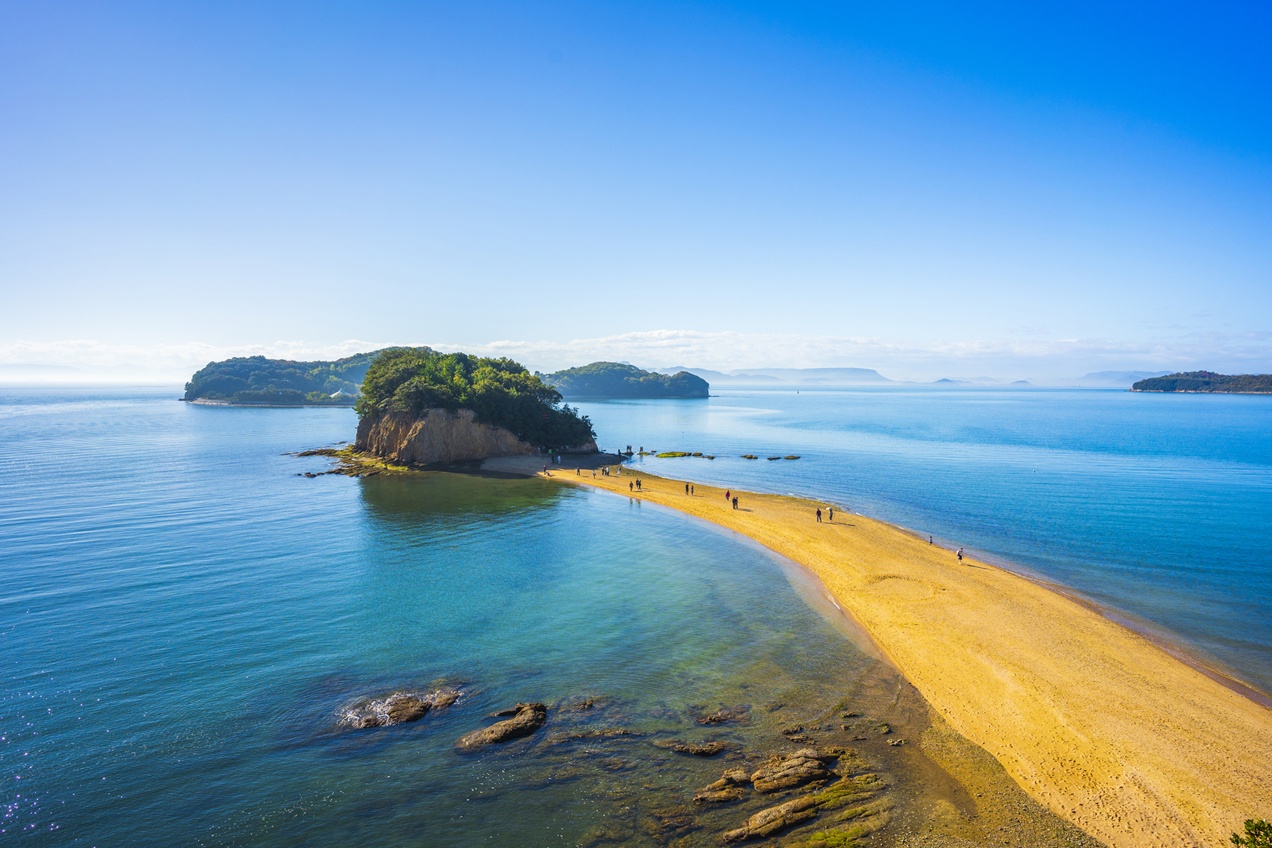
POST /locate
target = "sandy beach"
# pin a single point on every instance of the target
(1097, 723)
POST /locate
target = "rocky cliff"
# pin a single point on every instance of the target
(438, 436)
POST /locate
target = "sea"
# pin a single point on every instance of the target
(185, 616)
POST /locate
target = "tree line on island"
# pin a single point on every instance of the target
(620, 380)
(500, 392)
(258, 381)
(1207, 381)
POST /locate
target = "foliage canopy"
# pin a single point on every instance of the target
(257, 380)
(1206, 381)
(500, 392)
(616, 380)
(1258, 834)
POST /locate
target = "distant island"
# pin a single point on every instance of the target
(1207, 381)
(421, 407)
(257, 381)
(617, 380)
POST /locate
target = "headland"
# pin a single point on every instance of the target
(1096, 722)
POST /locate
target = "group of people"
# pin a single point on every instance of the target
(729, 498)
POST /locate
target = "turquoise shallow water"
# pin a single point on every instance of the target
(1155, 505)
(183, 617)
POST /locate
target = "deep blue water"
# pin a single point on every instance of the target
(182, 617)
(1156, 505)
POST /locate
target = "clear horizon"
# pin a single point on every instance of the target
(940, 192)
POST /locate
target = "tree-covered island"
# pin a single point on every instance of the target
(617, 380)
(1207, 381)
(412, 382)
(257, 381)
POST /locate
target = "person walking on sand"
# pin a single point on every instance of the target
(686, 488)
(726, 495)
(735, 503)
(830, 510)
(691, 488)
(929, 540)
(630, 486)
(819, 515)
(960, 554)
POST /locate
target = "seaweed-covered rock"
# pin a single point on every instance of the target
(786, 771)
(729, 714)
(703, 749)
(526, 720)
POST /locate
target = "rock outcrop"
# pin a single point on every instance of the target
(526, 720)
(783, 772)
(439, 436)
(397, 708)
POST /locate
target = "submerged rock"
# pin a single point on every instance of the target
(786, 771)
(738, 714)
(704, 749)
(526, 720)
(397, 708)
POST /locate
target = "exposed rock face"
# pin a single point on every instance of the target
(527, 719)
(730, 787)
(783, 772)
(774, 819)
(439, 436)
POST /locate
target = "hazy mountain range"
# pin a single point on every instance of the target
(776, 377)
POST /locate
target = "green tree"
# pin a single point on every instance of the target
(500, 392)
(1258, 834)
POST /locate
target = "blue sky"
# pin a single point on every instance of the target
(1019, 190)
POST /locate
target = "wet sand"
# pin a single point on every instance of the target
(1094, 721)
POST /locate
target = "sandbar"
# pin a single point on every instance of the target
(1091, 719)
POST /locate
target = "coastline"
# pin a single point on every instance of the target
(1105, 726)
(238, 405)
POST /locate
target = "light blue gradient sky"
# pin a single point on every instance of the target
(951, 190)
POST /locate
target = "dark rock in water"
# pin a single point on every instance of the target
(783, 772)
(705, 749)
(774, 819)
(730, 787)
(445, 697)
(738, 714)
(527, 719)
(397, 708)
(597, 734)
(582, 703)
(407, 709)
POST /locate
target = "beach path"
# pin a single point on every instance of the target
(1096, 722)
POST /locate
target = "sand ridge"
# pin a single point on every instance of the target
(1100, 725)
